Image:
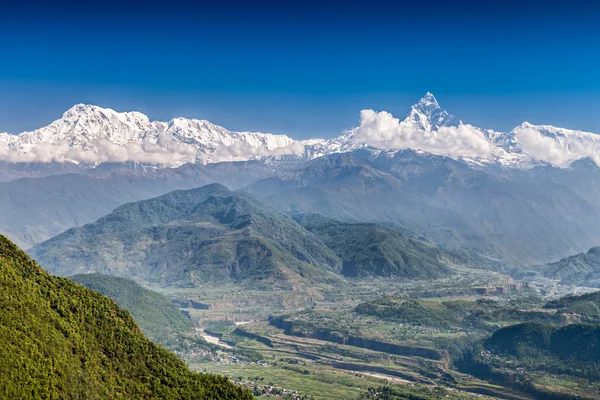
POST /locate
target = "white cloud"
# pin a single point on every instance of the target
(558, 150)
(382, 130)
(166, 152)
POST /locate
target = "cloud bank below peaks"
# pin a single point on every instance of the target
(556, 146)
(164, 151)
(383, 131)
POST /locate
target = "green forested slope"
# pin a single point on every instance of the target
(572, 349)
(369, 249)
(59, 340)
(153, 312)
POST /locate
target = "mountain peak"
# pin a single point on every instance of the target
(90, 110)
(427, 102)
(78, 109)
(527, 125)
(426, 114)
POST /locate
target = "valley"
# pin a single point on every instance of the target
(302, 346)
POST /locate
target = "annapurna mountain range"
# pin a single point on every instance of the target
(90, 135)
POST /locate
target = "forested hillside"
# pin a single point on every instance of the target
(153, 312)
(59, 340)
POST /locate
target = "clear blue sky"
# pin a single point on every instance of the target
(302, 68)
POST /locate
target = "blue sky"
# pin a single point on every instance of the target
(302, 68)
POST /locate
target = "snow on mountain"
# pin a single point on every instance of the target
(555, 146)
(92, 134)
(427, 115)
(88, 134)
(429, 128)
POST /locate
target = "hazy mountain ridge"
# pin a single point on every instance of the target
(512, 215)
(212, 234)
(581, 269)
(35, 209)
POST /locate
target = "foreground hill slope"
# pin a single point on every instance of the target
(152, 311)
(208, 234)
(61, 340)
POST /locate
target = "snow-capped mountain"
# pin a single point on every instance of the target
(88, 134)
(92, 134)
(427, 115)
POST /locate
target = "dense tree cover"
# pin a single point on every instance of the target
(573, 349)
(480, 314)
(59, 340)
(153, 312)
(586, 307)
(369, 249)
(416, 312)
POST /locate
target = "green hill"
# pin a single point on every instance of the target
(184, 238)
(369, 249)
(585, 308)
(572, 344)
(59, 340)
(153, 312)
(212, 234)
